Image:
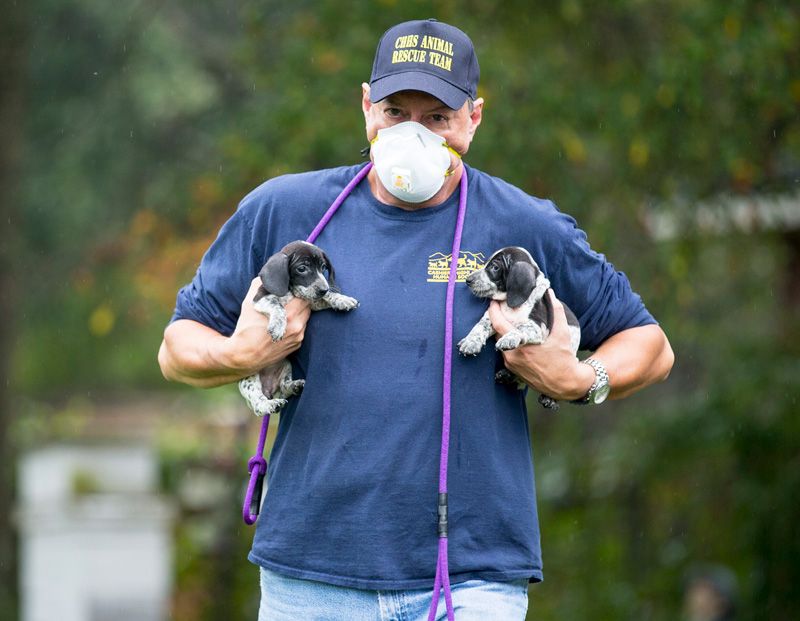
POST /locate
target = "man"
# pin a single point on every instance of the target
(348, 529)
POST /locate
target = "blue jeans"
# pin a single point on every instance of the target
(289, 599)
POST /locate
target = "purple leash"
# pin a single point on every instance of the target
(257, 465)
(442, 580)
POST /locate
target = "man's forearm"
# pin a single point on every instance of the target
(195, 354)
(635, 358)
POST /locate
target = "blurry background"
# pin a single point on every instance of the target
(128, 134)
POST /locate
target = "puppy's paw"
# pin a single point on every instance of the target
(531, 334)
(548, 403)
(277, 328)
(510, 340)
(470, 346)
(504, 376)
(262, 406)
(294, 387)
(343, 303)
(278, 404)
(267, 406)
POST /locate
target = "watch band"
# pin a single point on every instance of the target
(600, 388)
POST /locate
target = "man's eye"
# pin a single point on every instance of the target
(393, 112)
(438, 118)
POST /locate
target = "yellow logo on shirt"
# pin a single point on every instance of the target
(439, 265)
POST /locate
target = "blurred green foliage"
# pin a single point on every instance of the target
(145, 123)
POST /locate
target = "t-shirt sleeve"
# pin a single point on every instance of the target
(214, 297)
(600, 296)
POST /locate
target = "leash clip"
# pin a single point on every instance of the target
(442, 511)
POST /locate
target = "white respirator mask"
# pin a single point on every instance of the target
(411, 161)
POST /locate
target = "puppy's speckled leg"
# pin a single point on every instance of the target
(250, 389)
(277, 316)
(510, 340)
(527, 333)
(472, 344)
(532, 333)
(290, 387)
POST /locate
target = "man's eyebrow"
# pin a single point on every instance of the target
(391, 100)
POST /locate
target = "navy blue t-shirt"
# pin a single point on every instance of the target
(352, 482)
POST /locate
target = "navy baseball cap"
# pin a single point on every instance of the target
(428, 56)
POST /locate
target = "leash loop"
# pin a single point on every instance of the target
(257, 465)
(252, 497)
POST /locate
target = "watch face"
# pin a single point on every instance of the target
(601, 394)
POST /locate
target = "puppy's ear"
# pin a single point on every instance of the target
(520, 283)
(275, 274)
(331, 274)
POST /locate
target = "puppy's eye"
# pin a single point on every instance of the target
(302, 269)
(493, 268)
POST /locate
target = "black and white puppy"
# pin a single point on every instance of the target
(298, 270)
(512, 277)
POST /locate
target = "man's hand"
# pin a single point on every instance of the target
(250, 347)
(197, 355)
(551, 368)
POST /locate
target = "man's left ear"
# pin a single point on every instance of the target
(476, 116)
(366, 106)
(366, 102)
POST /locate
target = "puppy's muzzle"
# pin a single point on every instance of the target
(320, 291)
(480, 285)
(315, 291)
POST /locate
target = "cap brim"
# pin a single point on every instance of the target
(451, 96)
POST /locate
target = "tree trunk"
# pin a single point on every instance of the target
(12, 64)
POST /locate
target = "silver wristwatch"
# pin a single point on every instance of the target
(601, 388)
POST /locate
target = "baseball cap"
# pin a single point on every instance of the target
(428, 56)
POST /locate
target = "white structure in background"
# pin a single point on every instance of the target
(725, 214)
(96, 540)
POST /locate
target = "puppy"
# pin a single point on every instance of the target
(298, 270)
(513, 277)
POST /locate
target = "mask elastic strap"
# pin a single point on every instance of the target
(454, 152)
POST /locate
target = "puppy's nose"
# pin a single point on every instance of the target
(471, 278)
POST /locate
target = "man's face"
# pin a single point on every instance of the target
(457, 127)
